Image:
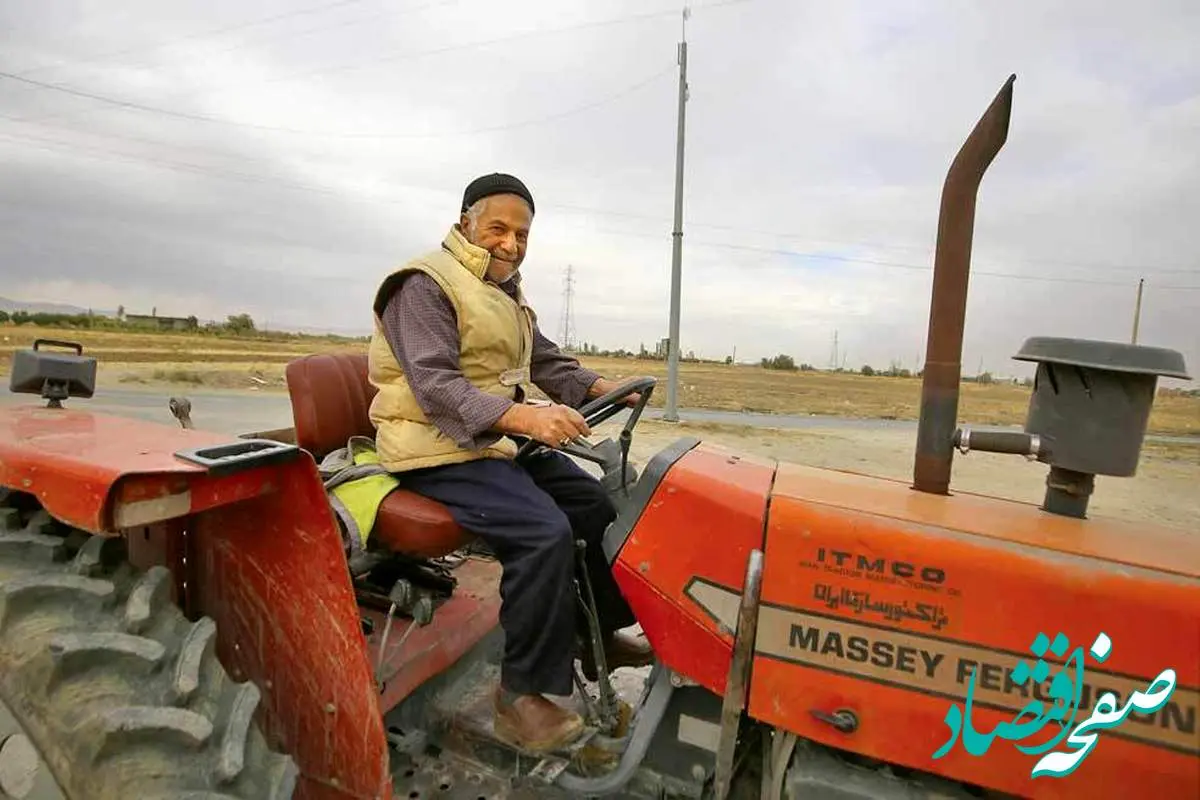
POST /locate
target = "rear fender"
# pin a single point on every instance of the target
(257, 550)
(270, 571)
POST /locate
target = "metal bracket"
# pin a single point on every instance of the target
(737, 684)
(608, 710)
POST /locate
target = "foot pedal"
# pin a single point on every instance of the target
(548, 770)
(551, 766)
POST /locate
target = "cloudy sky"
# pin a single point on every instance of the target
(278, 157)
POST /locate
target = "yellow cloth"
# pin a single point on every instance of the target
(360, 497)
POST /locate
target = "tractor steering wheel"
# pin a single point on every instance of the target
(600, 410)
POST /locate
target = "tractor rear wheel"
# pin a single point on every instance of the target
(113, 693)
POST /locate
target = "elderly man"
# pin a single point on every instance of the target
(454, 344)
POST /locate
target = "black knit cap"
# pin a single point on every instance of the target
(496, 183)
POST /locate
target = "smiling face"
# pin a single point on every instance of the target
(499, 224)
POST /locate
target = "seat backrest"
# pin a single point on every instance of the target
(331, 398)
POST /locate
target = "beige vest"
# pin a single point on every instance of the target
(496, 344)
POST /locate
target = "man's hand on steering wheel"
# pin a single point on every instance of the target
(603, 386)
(633, 393)
(552, 425)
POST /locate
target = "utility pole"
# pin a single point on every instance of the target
(1137, 310)
(671, 413)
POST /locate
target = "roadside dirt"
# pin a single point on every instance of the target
(1165, 490)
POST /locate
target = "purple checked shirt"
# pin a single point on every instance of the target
(422, 330)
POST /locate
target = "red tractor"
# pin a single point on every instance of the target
(178, 618)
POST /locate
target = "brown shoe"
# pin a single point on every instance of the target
(621, 650)
(532, 722)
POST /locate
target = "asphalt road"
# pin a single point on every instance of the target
(241, 412)
(238, 412)
(220, 412)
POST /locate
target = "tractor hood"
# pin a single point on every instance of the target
(1004, 523)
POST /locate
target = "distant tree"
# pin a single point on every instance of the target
(3, 316)
(192, 323)
(240, 323)
(986, 378)
(781, 362)
(728, 359)
(868, 370)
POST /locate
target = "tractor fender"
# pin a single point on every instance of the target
(254, 546)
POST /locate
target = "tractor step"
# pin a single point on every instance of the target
(451, 778)
(468, 716)
(462, 715)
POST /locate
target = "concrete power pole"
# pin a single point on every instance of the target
(1137, 310)
(671, 413)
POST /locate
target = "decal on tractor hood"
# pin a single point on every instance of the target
(847, 564)
(940, 667)
(835, 597)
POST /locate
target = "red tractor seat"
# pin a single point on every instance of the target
(331, 397)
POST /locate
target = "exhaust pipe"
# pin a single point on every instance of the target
(951, 268)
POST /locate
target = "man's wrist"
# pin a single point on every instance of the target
(515, 420)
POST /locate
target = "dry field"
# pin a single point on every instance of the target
(237, 363)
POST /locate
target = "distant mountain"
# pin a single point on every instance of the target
(48, 308)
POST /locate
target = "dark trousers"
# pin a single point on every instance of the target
(530, 515)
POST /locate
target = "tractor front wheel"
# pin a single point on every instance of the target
(111, 691)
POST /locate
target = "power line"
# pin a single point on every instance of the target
(1140, 269)
(819, 256)
(535, 33)
(540, 120)
(596, 211)
(360, 20)
(928, 251)
(241, 45)
(183, 115)
(271, 180)
(202, 34)
(362, 135)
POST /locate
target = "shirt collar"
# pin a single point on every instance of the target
(477, 260)
(473, 257)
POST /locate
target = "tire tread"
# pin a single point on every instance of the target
(120, 693)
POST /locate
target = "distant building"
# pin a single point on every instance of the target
(152, 320)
